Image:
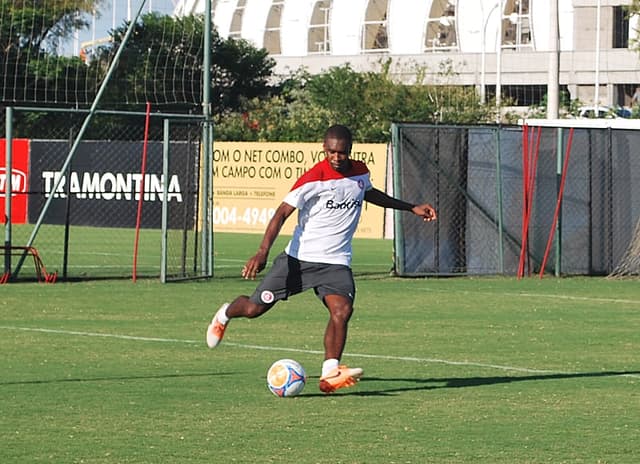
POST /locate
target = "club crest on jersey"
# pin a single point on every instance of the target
(267, 296)
(360, 184)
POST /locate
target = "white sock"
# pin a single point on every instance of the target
(221, 315)
(329, 365)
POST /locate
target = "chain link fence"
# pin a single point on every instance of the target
(496, 190)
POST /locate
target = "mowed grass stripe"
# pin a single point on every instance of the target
(541, 295)
(298, 350)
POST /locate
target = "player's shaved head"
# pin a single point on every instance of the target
(339, 132)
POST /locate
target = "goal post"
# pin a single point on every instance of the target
(186, 234)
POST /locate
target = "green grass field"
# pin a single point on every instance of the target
(457, 370)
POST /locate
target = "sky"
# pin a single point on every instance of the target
(112, 14)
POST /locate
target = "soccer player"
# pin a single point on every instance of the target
(329, 199)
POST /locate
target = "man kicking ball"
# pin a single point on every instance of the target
(329, 198)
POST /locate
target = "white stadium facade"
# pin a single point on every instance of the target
(485, 43)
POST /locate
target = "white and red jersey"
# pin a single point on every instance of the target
(329, 205)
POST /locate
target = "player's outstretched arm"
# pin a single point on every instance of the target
(379, 198)
(257, 262)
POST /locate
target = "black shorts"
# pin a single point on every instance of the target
(290, 276)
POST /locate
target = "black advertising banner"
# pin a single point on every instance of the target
(102, 186)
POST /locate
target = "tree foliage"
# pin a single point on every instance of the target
(367, 102)
(162, 63)
(36, 25)
(30, 32)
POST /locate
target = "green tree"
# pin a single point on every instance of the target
(30, 67)
(288, 115)
(29, 35)
(162, 64)
(368, 102)
(41, 25)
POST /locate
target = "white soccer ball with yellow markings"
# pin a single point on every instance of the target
(286, 377)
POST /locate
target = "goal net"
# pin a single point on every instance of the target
(629, 264)
(75, 78)
(59, 52)
(89, 228)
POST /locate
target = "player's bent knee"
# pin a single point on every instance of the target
(342, 312)
(255, 310)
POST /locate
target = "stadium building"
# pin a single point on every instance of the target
(484, 43)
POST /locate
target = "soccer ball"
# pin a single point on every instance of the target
(286, 377)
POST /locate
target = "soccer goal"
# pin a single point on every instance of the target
(86, 219)
(106, 167)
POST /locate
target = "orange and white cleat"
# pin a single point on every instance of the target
(216, 329)
(341, 377)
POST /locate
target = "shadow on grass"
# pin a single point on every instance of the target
(418, 384)
(464, 382)
(115, 378)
